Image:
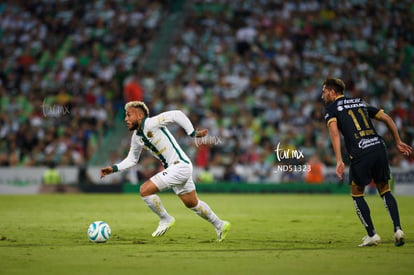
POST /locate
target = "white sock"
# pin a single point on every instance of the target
(155, 204)
(203, 210)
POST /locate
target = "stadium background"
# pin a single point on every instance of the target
(249, 71)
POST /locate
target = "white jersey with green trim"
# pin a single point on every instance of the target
(154, 136)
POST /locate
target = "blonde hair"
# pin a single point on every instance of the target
(336, 84)
(139, 105)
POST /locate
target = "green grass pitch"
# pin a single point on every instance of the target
(270, 234)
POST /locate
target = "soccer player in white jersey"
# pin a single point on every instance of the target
(152, 134)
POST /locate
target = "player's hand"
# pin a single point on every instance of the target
(106, 171)
(405, 149)
(201, 133)
(340, 169)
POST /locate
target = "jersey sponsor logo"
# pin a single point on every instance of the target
(357, 105)
(368, 142)
(352, 100)
(349, 104)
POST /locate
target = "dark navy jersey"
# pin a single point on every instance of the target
(353, 117)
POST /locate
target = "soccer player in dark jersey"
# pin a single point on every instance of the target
(367, 152)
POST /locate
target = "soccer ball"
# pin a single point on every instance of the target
(99, 232)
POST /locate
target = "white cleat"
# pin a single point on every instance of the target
(370, 241)
(222, 232)
(163, 228)
(399, 238)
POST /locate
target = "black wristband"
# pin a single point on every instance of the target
(193, 134)
(114, 168)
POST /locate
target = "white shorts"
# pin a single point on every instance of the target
(179, 177)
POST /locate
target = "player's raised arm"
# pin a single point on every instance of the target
(404, 148)
(176, 116)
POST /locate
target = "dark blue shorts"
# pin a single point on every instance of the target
(370, 166)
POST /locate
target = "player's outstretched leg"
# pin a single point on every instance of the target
(392, 208)
(222, 227)
(364, 214)
(222, 231)
(166, 221)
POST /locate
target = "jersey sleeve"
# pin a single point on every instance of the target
(169, 117)
(133, 155)
(374, 112)
(329, 116)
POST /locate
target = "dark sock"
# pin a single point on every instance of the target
(392, 207)
(364, 214)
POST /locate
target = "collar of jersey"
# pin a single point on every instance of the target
(140, 131)
(339, 96)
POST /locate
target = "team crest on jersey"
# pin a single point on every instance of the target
(150, 134)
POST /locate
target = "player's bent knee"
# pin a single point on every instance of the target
(148, 188)
(190, 204)
(357, 191)
(383, 188)
(190, 200)
(142, 192)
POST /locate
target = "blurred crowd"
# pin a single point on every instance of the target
(64, 68)
(250, 71)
